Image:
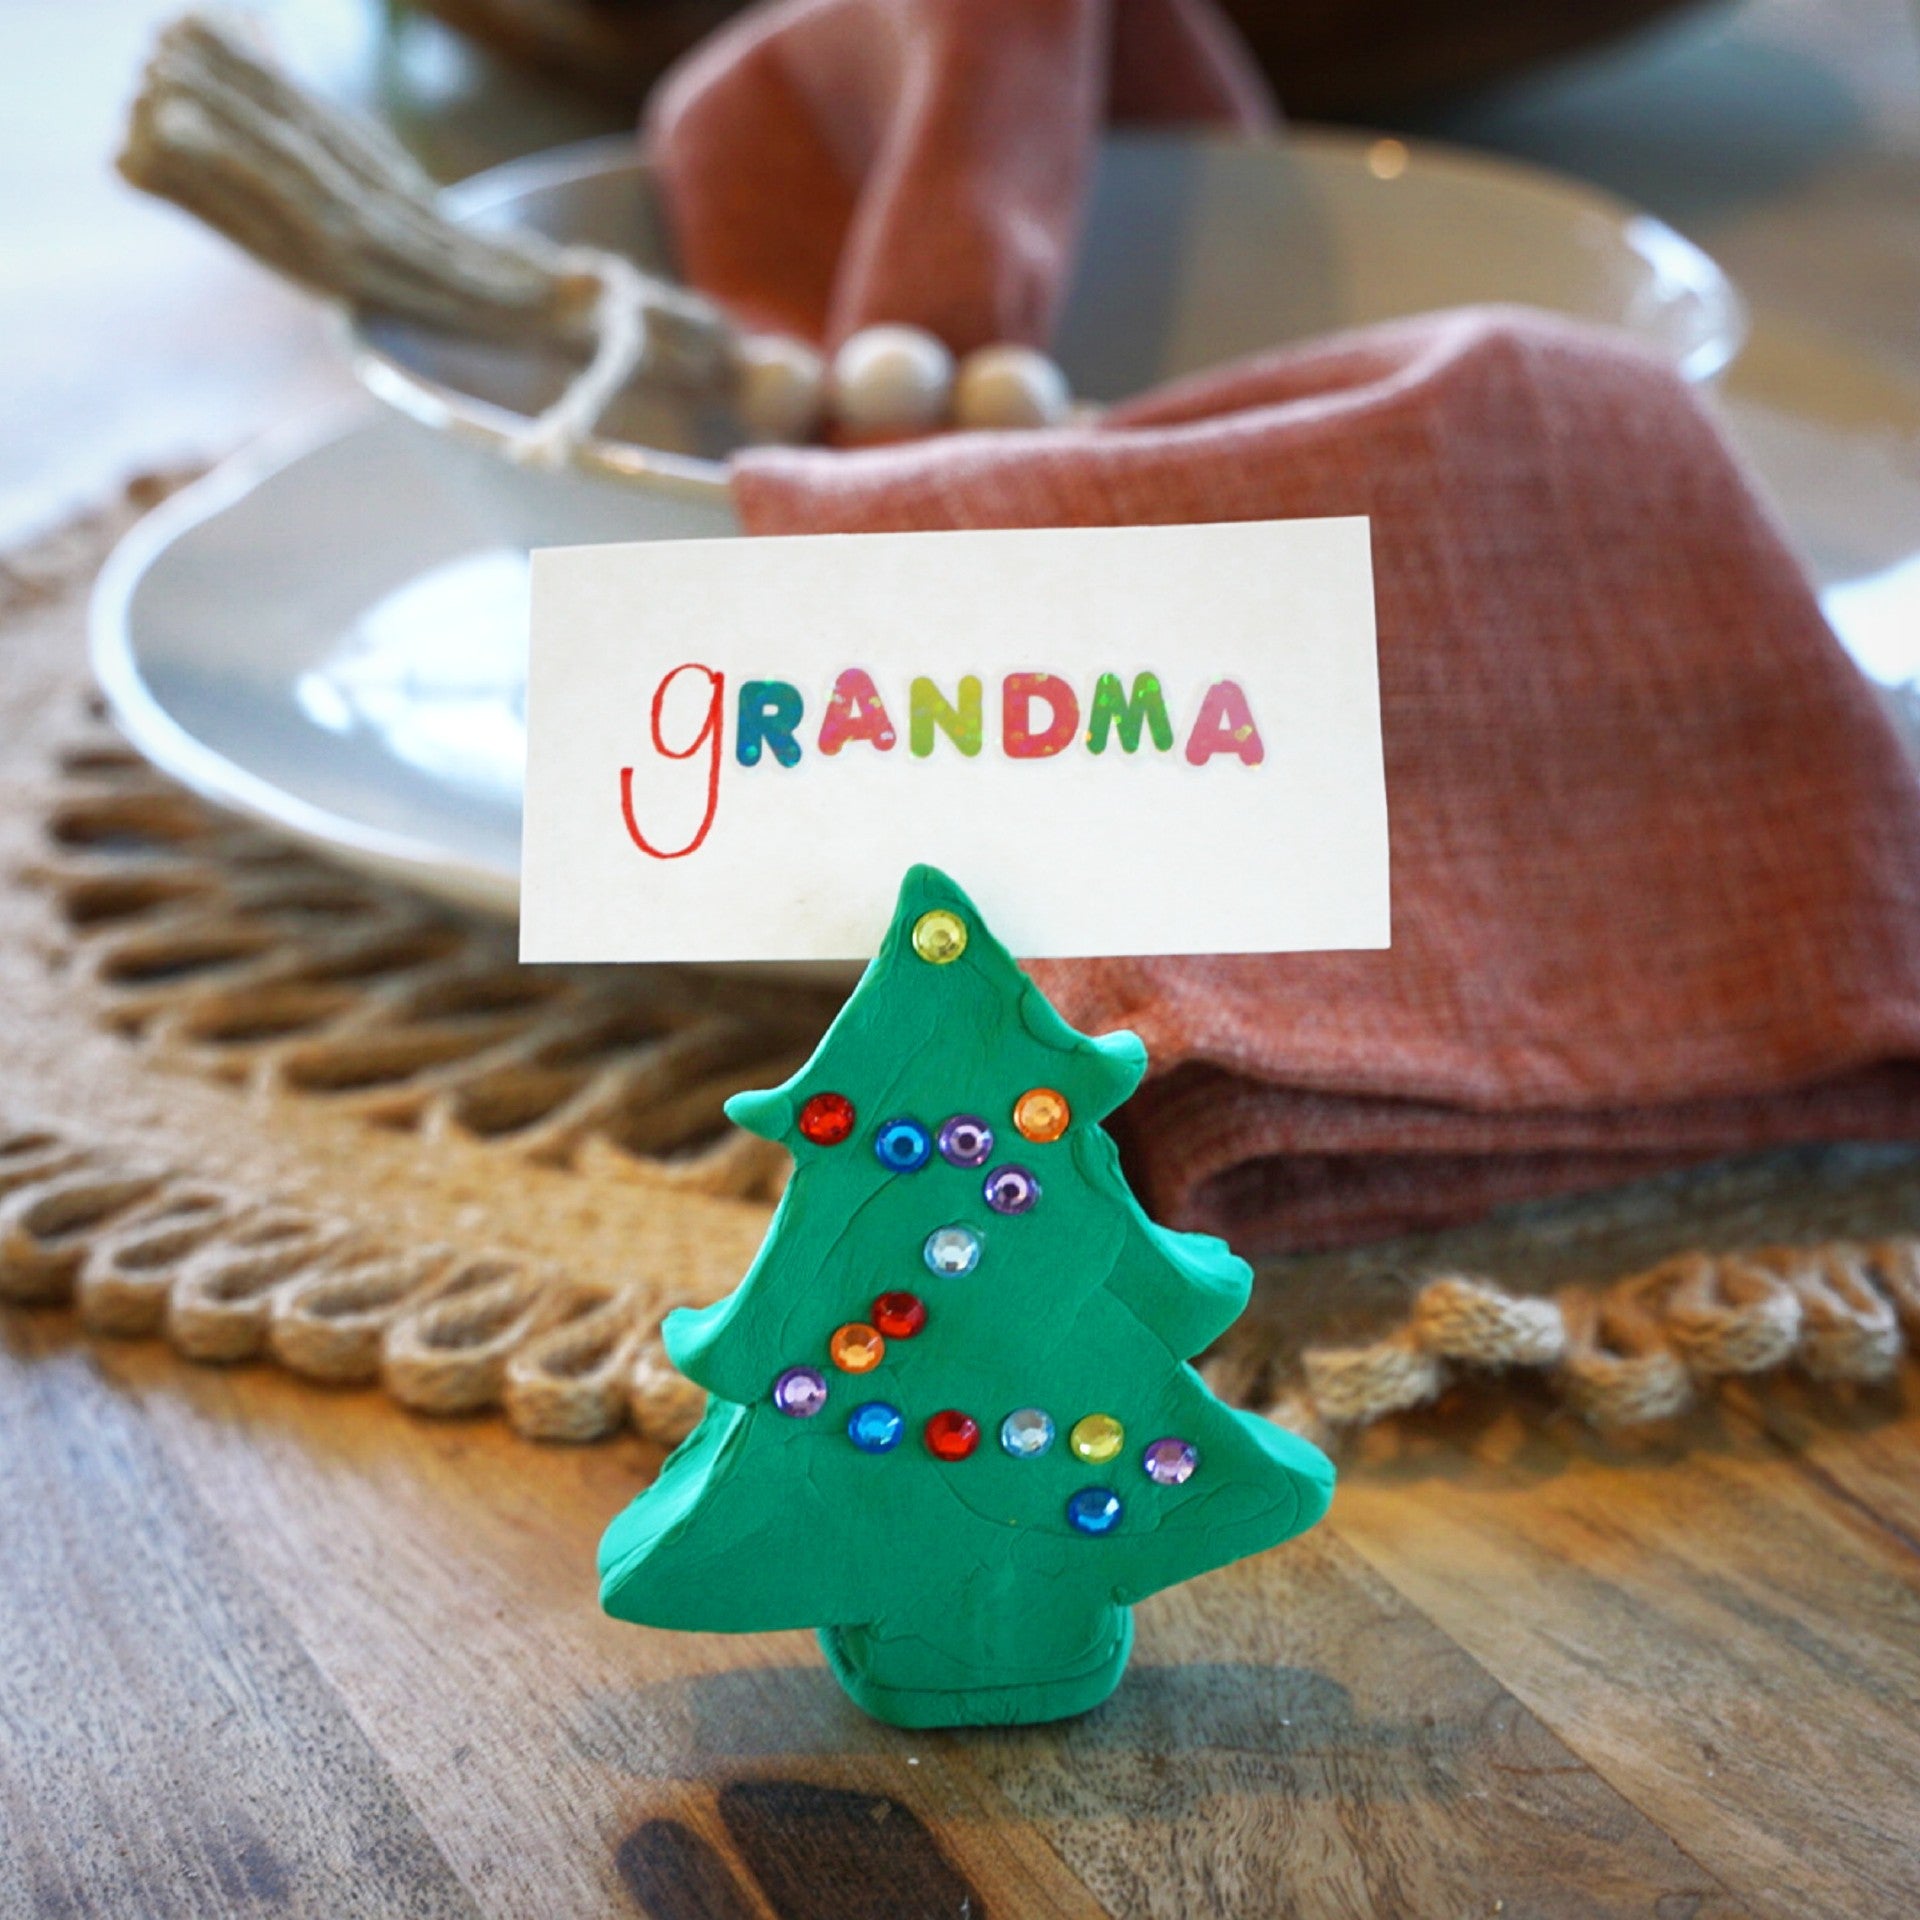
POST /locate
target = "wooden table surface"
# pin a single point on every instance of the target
(269, 1649)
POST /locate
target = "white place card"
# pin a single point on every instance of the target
(1117, 740)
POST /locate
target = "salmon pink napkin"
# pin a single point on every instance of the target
(833, 164)
(1656, 851)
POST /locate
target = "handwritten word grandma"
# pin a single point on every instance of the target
(1040, 716)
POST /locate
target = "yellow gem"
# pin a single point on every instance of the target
(857, 1348)
(939, 937)
(1041, 1114)
(1098, 1437)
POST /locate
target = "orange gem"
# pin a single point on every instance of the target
(1041, 1114)
(857, 1348)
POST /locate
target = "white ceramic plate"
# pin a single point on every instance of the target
(328, 633)
(1196, 249)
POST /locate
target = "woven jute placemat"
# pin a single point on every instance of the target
(272, 1111)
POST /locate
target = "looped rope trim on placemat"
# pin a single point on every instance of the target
(142, 1251)
(336, 1002)
(1643, 1349)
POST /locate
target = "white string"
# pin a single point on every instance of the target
(619, 350)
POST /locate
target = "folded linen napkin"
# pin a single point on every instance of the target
(1656, 850)
(835, 164)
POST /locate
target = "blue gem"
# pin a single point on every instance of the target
(1095, 1510)
(951, 1251)
(903, 1146)
(875, 1427)
(1028, 1433)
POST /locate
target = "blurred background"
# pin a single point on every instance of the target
(1782, 135)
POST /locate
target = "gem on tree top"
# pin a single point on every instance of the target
(1073, 1303)
(939, 937)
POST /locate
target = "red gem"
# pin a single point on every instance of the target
(951, 1435)
(899, 1315)
(826, 1119)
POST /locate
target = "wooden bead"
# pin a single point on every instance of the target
(780, 385)
(891, 380)
(1010, 386)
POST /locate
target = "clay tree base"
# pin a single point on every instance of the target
(1055, 1697)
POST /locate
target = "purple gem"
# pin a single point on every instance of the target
(801, 1392)
(1170, 1462)
(966, 1140)
(1011, 1190)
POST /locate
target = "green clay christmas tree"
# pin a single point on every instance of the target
(951, 1423)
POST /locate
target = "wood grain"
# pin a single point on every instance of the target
(1855, 1448)
(441, 1577)
(264, 1647)
(166, 1745)
(1295, 1738)
(1730, 1633)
